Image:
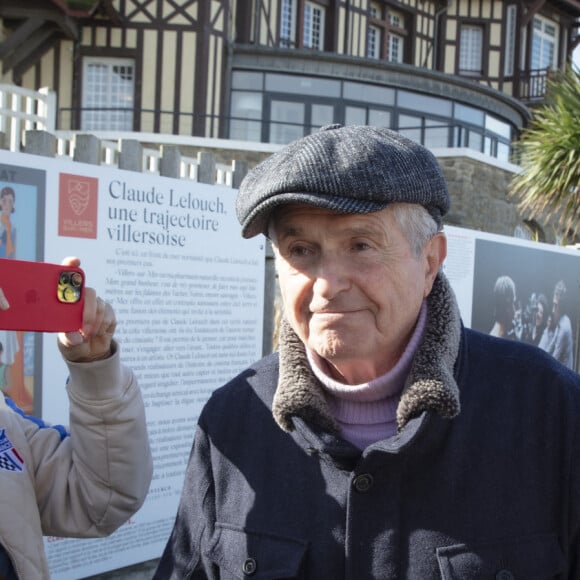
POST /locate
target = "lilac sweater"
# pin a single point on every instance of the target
(366, 413)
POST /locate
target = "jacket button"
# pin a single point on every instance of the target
(249, 567)
(504, 575)
(363, 483)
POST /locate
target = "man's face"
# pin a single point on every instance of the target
(351, 285)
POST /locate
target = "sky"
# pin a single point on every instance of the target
(576, 56)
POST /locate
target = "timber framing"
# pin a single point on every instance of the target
(183, 52)
(39, 25)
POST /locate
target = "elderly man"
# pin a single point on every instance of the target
(384, 440)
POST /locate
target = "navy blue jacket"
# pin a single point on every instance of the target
(490, 490)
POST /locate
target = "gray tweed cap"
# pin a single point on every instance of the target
(354, 169)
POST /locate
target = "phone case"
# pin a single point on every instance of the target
(42, 297)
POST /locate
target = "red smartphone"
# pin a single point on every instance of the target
(42, 297)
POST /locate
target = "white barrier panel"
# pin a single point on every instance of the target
(188, 294)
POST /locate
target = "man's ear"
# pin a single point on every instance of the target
(435, 252)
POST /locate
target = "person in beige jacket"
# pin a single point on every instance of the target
(83, 481)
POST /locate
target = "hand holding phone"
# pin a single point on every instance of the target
(41, 297)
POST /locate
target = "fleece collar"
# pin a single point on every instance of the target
(430, 385)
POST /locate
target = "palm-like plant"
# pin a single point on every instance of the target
(548, 187)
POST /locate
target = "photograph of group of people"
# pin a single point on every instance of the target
(528, 294)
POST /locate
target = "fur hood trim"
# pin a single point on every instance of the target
(430, 385)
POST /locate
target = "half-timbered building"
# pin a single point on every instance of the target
(446, 72)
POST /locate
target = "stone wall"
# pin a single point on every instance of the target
(478, 186)
(480, 201)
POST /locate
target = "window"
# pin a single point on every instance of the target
(278, 108)
(313, 26)
(320, 115)
(108, 94)
(379, 118)
(544, 42)
(436, 134)
(374, 33)
(427, 131)
(246, 116)
(395, 48)
(387, 33)
(288, 23)
(355, 116)
(286, 121)
(368, 93)
(247, 81)
(302, 85)
(498, 127)
(367, 116)
(421, 102)
(374, 42)
(410, 126)
(471, 50)
(395, 41)
(510, 40)
(470, 115)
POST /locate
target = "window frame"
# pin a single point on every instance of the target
(511, 19)
(484, 49)
(288, 34)
(307, 125)
(373, 49)
(543, 36)
(309, 42)
(461, 124)
(293, 15)
(381, 18)
(103, 115)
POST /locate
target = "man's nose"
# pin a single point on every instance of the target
(332, 276)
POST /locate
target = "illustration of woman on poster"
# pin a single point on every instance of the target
(12, 342)
(7, 232)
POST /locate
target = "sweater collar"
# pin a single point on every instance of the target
(430, 385)
(387, 385)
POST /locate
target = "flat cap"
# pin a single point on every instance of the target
(354, 169)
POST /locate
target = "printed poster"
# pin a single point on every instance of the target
(187, 290)
(518, 290)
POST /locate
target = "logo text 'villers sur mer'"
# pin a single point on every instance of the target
(77, 206)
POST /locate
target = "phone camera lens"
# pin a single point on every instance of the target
(69, 286)
(70, 294)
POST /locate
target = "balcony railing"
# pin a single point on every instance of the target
(533, 85)
(22, 110)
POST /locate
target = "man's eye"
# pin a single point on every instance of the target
(360, 246)
(299, 251)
